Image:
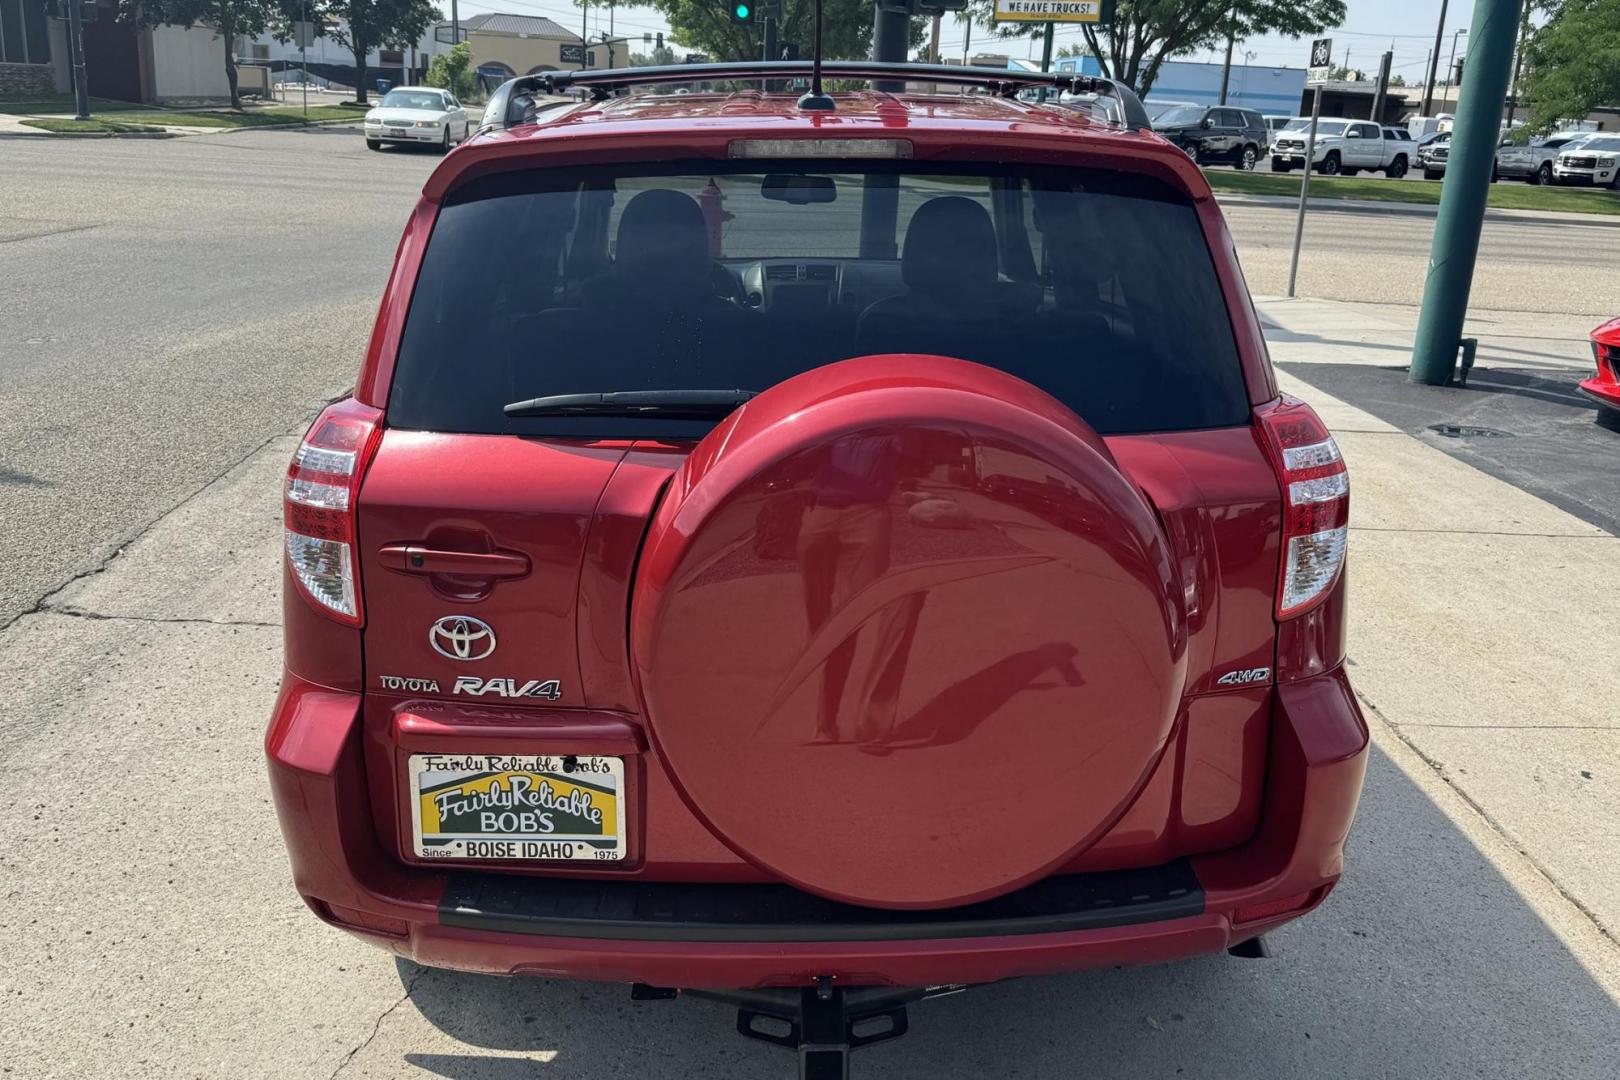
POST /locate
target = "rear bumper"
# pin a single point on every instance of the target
(409, 135)
(728, 937)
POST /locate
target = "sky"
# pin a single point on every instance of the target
(1371, 26)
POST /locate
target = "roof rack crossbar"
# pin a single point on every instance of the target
(512, 102)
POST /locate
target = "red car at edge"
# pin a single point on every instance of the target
(773, 549)
(1604, 387)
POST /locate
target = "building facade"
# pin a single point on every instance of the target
(506, 46)
(1271, 91)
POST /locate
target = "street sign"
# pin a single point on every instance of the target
(303, 34)
(572, 54)
(1055, 11)
(1321, 61)
(446, 34)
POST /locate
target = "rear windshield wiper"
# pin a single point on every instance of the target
(670, 404)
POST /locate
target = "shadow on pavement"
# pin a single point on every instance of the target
(1555, 451)
(1425, 962)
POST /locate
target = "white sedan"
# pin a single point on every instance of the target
(417, 114)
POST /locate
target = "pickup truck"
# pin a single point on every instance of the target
(1342, 146)
(1535, 163)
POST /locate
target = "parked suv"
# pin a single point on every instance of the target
(1595, 160)
(814, 563)
(1222, 135)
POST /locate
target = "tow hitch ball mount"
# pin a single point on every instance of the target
(823, 1024)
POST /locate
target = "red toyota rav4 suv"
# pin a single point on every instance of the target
(811, 557)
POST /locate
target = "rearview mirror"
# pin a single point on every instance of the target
(1209, 121)
(798, 190)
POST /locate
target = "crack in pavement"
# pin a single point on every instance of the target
(101, 616)
(421, 972)
(42, 605)
(1485, 815)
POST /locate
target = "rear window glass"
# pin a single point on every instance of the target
(1098, 288)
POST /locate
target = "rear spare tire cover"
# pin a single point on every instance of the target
(904, 634)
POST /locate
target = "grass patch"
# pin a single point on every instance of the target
(116, 127)
(58, 103)
(1503, 195)
(252, 118)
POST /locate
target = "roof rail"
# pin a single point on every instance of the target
(514, 102)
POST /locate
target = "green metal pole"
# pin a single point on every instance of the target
(1462, 201)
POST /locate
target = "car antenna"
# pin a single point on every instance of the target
(816, 100)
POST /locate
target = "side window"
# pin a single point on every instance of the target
(1230, 119)
(1253, 120)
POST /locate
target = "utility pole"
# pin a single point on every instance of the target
(81, 83)
(1382, 89)
(1434, 58)
(933, 40)
(1226, 68)
(455, 24)
(1046, 56)
(1518, 60)
(889, 27)
(1462, 199)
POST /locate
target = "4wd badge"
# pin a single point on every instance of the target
(1244, 676)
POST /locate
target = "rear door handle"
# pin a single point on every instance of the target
(420, 559)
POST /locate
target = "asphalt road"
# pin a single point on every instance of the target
(175, 309)
(170, 305)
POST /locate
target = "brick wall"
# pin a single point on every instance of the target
(26, 80)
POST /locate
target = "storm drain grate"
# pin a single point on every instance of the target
(1466, 431)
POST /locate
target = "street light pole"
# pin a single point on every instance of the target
(1451, 72)
(1434, 59)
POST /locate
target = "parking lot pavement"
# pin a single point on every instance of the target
(169, 306)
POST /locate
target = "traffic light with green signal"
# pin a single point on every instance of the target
(742, 11)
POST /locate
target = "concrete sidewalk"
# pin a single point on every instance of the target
(1483, 615)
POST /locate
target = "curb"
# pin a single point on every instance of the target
(1414, 209)
(89, 135)
(42, 134)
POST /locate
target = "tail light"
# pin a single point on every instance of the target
(1316, 502)
(323, 483)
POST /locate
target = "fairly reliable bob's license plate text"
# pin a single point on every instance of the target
(533, 807)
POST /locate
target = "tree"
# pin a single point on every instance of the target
(662, 56)
(229, 19)
(705, 26)
(363, 25)
(1146, 33)
(1572, 64)
(452, 71)
(1397, 80)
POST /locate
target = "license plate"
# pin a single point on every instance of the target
(527, 807)
(396, 131)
